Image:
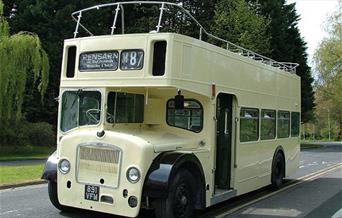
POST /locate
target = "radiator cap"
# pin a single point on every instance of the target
(100, 134)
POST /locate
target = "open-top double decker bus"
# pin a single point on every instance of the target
(165, 121)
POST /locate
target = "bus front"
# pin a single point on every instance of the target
(114, 97)
(101, 162)
(107, 122)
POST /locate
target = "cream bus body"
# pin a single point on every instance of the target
(201, 72)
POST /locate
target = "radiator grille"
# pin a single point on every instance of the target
(99, 163)
(100, 155)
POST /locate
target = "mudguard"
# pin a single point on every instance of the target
(165, 167)
(50, 170)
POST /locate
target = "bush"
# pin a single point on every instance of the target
(25, 134)
(41, 134)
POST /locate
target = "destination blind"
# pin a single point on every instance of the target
(106, 60)
(109, 60)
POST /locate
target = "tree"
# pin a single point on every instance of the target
(51, 21)
(238, 22)
(288, 46)
(328, 65)
(20, 55)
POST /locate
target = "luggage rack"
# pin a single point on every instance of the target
(119, 6)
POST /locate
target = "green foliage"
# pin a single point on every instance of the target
(238, 22)
(22, 54)
(21, 134)
(328, 64)
(51, 21)
(26, 152)
(4, 28)
(268, 27)
(18, 174)
(288, 46)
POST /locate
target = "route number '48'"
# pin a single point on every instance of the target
(132, 59)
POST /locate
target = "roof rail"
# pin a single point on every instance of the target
(77, 15)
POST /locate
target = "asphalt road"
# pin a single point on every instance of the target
(315, 197)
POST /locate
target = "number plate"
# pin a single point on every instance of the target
(92, 192)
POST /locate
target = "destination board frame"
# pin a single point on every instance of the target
(116, 52)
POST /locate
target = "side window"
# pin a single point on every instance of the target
(283, 124)
(249, 124)
(268, 124)
(190, 118)
(295, 122)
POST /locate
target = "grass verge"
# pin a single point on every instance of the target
(310, 145)
(9, 153)
(19, 174)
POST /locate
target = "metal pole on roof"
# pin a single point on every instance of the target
(122, 19)
(78, 23)
(200, 34)
(115, 18)
(160, 17)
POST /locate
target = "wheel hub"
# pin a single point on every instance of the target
(181, 201)
(184, 200)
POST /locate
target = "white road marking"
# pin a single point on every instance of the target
(272, 212)
(302, 179)
(7, 212)
(338, 214)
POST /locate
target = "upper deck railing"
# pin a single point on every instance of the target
(119, 6)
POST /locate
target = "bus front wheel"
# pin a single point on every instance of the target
(278, 171)
(180, 200)
(52, 189)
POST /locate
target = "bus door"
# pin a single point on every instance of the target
(223, 140)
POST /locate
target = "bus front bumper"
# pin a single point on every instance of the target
(99, 198)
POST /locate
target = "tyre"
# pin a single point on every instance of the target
(52, 189)
(180, 200)
(278, 171)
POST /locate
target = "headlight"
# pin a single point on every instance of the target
(64, 166)
(133, 175)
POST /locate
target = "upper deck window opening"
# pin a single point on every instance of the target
(165, 17)
(159, 56)
(189, 118)
(125, 108)
(70, 73)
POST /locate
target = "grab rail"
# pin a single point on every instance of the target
(77, 15)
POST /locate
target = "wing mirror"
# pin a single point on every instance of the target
(179, 101)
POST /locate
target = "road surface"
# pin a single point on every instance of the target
(313, 192)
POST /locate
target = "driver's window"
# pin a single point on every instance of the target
(90, 108)
(80, 108)
(69, 115)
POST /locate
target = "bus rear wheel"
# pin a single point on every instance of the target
(180, 200)
(52, 189)
(278, 171)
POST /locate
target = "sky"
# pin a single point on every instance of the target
(313, 14)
